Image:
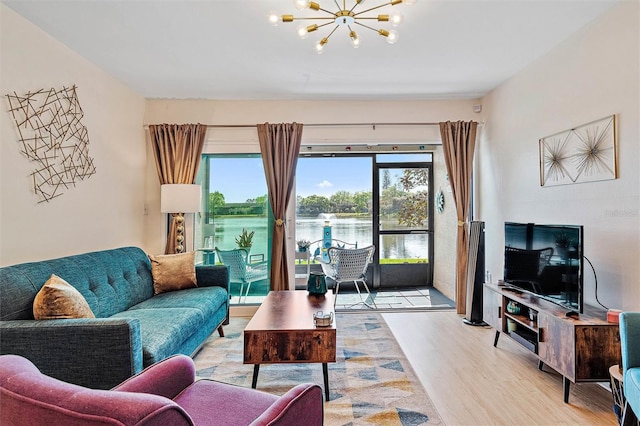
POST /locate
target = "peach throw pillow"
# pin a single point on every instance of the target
(57, 299)
(173, 272)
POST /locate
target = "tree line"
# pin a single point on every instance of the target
(406, 199)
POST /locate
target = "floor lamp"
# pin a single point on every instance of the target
(179, 199)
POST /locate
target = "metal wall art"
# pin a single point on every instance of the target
(54, 138)
(584, 154)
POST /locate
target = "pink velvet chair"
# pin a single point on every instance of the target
(165, 393)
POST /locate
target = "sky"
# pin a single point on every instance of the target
(243, 178)
(240, 179)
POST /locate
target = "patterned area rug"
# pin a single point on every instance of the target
(372, 383)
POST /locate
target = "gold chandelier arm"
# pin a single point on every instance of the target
(366, 26)
(316, 18)
(379, 18)
(327, 11)
(391, 3)
(324, 25)
(332, 31)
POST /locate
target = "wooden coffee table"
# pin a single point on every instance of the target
(282, 332)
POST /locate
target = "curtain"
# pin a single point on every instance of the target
(458, 142)
(280, 146)
(177, 149)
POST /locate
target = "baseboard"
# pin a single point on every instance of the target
(246, 311)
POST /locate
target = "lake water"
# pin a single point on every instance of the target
(352, 230)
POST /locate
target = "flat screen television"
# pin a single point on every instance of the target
(546, 260)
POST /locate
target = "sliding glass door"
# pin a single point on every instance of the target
(404, 220)
(365, 199)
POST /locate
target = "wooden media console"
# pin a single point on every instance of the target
(581, 349)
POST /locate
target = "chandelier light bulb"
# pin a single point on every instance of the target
(274, 18)
(301, 4)
(392, 37)
(355, 41)
(320, 46)
(302, 31)
(396, 19)
(408, 1)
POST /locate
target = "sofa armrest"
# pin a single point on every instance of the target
(301, 405)
(98, 353)
(166, 378)
(630, 339)
(214, 275)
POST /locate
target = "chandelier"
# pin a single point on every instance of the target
(343, 17)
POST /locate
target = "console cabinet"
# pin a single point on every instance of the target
(581, 349)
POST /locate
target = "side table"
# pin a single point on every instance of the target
(616, 380)
(617, 390)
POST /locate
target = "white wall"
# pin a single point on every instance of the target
(593, 74)
(246, 140)
(101, 212)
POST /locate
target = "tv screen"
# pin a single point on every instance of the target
(546, 260)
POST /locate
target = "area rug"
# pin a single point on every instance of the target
(372, 383)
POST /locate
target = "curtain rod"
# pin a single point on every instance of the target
(240, 126)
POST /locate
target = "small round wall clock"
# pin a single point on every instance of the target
(439, 201)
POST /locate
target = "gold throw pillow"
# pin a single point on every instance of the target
(57, 299)
(173, 272)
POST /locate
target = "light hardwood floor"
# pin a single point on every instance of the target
(473, 383)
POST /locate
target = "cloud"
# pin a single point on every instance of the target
(324, 184)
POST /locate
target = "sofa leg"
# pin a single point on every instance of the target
(220, 331)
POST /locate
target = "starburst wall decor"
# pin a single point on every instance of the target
(586, 153)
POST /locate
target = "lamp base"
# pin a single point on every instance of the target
(179, 232)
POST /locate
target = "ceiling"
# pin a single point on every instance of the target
(226, 49)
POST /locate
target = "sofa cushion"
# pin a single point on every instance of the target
(173, 272)
(57, 299)
(206, 299)
(164, 330)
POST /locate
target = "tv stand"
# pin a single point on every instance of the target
(581, 349)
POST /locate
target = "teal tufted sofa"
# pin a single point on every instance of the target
(133, 327)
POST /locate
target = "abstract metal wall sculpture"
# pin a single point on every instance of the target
(54, 138)
(586, 153)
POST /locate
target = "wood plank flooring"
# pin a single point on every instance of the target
(473, 383)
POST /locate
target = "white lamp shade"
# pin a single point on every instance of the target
(179, 198)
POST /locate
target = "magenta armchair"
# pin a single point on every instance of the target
(166, 393)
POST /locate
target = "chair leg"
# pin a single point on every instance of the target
(247, 293)
(241, 290)
(362, 301)
(369, 293)
(335, 297)
(359, 294)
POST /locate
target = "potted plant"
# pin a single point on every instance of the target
(563, 243)
(303, 245)
(245, 239)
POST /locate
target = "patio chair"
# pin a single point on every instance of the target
(347, 265)
(241, 270)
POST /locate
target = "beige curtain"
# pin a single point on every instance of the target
(177, 149)
(280, 146)
(459, 141)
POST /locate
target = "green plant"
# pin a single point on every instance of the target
(245, 239)
(303, 244)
